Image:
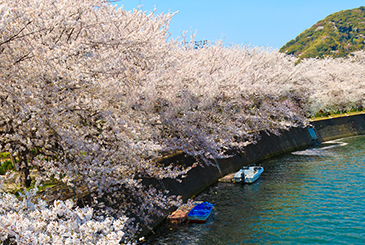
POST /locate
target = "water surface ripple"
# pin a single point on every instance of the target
(314, 196)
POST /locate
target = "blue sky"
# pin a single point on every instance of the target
(264, 23)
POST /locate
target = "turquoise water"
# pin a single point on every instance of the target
(316, 196)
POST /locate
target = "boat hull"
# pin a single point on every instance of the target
(253, 179)
(248, 174)
(199, 219)
(200, 213)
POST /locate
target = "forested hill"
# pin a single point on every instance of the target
(337, 35)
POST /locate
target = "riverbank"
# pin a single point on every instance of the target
(311, 195)
(201, 177)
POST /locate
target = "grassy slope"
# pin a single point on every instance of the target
(337, 35)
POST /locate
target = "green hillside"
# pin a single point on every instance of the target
(337, 35)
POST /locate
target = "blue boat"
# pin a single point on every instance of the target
(200, 213)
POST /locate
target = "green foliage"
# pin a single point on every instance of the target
(4, 155)
(337, 35)
(6, 166)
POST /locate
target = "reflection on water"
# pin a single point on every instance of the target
(300, 198)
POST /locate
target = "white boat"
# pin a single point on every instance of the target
(248, 174)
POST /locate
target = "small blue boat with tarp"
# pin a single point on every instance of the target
(200, 213)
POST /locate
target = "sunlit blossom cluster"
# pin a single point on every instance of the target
(28, 220)
(93, 95)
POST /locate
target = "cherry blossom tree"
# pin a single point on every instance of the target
(92, 95)
(218, 98)
(67, 71)
(30, 221)
(332, 84)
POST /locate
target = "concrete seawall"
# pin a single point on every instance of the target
(201, 177)
(340, 127)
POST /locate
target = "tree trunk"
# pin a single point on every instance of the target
(27, 178)
(25, 169)
(13, 161)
